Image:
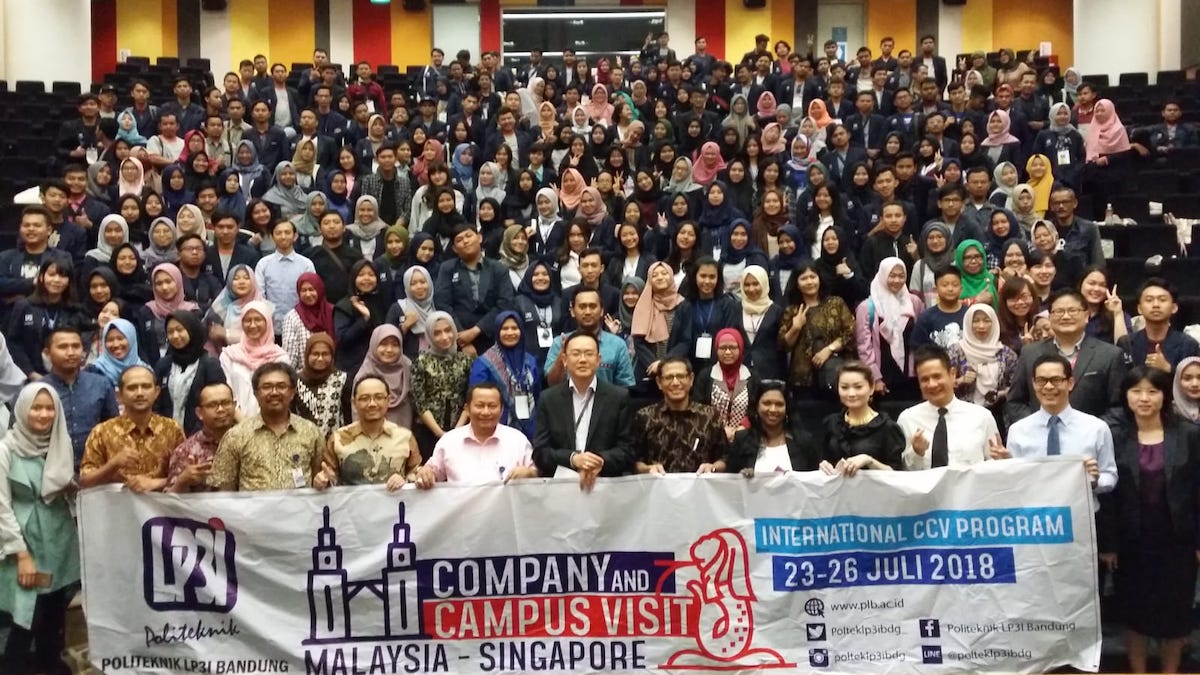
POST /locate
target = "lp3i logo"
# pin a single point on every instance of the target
(188, 565)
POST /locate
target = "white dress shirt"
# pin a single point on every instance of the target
(968, 428)
(1079, 434)
(583, 402)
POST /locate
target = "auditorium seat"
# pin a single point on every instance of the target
(168, 61)
(143, 61)
(1171, 77)
(203, 65)
(1098, 80)
(66, 88)
(1134, 79)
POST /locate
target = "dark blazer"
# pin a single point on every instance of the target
(272, 144)
(453, 293)
(786, 92)
(743, 452)
(874, 126)
(1120, 523)
(763, 356)
(610, 431)
(327, 150)
(614, 273)
(268, 94)
(838, 167)
(243, 254)
(207, 372)
(1099, 369)
(334, 267)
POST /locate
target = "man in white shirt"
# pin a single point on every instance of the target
(1058, 429)
(278, 272)
(164, 149)
(944, 430)
(483, 450)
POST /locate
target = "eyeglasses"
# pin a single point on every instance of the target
(673, 377)
(974, 256)
(367, 398)
(275, 387)
(1066, 311)
(217, 405)
(1056, 381)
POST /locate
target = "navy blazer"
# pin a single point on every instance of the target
(243, 254)
(874, 125)
(208, 371)
(454, 293)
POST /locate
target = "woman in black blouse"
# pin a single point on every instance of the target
(772, 443)
(860, 437)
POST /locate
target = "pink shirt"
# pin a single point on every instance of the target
(459, 458)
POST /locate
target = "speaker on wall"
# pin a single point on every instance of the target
(954, 2)
(755, 4)
(214, 5)
(414, 5)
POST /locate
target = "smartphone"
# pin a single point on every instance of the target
(43, 580)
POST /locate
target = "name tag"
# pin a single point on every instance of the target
(1064, 157)
(524, 405)
(298, 478)
(545, 337)
(704, 346)
(454, 279)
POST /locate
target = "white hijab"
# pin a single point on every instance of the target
(54, 446)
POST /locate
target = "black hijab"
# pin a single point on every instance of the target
(541, 299)
(196, 337)
(114, 286)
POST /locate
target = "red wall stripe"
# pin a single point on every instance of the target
(372, 26)
(489, 25)
(104, 39)
(710, 24)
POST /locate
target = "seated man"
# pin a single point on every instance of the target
(584, 424)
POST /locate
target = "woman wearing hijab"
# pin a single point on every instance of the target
(983, 365)
(660, 325)
(773, 142)
(37, 531)
(1005, 178)
(462, 168)
(513, 370)
(367, 147)
(285, 194)
(1024, 200)
(323, 393)
(1000, 145)
(717, 215)
(519, 198)
(174, 189)
(488, 186)
(838, 266)
(312, 314)
(167, 283)
(514, 253)
(792, 252)
(539, 303)
(367, 231)
(570, 192)
(224, 316)
(356, 316)
(1106, 144)
(118, 351)
(439, 382)
(113, 232)
(759, 324)
(391, 261)
(131, 178)
(232, 199)
(100, 184)
(739, 118)
(766, 110)
(708, 164)
(385, 359)
(936, 240)
(738, 252)
(185, 371)
(133, 284)
(251, 174)
(424, 251)
(336, 189)
(599, 110)
(257, 347)
(884, 323)
(977, 281)
(549, 231)
(727, 385)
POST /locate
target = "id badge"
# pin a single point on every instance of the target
(1064, 157)
(545, 337)
(717, 252)
(298, 478)
(523, 406)
(704, 346)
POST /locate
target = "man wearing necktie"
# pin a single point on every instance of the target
(1057, 429)
(944, 430)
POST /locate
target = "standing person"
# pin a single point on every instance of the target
(859, 437)
(322, 391)
(109, 455)
(412, 310)
(31, 319)
(271, 449)
(37, 531)
(884, 323)
(312, 314)
(599, 439)
(616, 366)
(515, 371)
(118, 351)
(1148, 526)
(760, 322)
(1158, 345)
(386, 361)
(660, 326)
(473, 289)
(87, 398)
(356, 316)
(983, 365)
(185, 370)
(440, 378)
(677, 434)
(372, 449)
(728, 384)
(816, 329)
(240, 360)
(944, 430)
(334, 259)
(278, 272)
(168, 297)
(190, 462)
(482, 450)
(941, 324)
(772, 443)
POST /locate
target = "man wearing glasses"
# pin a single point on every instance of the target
(677, 435)
(191, 460)
(1082, 237)
(273, 450)
(1098, 367)
(1045, 433)
(371, 449)
(482, 450)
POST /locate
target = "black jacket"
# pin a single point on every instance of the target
(1099, 369)
(207, 372)
(763, 356)
(747, 443)
(454, 293)
(243, 254)
(333, 265)
(29, 324)
(272, 144)
(880, 438)
(610, 432)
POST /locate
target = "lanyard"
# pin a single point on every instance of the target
(583, 411)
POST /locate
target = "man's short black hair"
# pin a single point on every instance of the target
(931, 352)
(580, 334)
(61, 329)
(273, 367)
(948, 270)
(283, 221)
(1052, 358)
(1158, 282)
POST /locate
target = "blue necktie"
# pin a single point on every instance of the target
(1052, 447)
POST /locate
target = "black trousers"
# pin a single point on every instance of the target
(39, 649)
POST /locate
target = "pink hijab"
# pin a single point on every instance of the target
(162, 306)
(708, 164)
(420, 167)
(254, 353)
(776, 147)
(598, 108)
(1003, 136)
(1108, 137)
(767, 105)
(571, 199)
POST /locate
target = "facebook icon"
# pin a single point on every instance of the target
(930, 628)
(931, 654)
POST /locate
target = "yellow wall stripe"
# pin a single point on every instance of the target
(412, 36)
(741, 25)
(291, 28)
(140, 27)
(977, 17)
(897, 20)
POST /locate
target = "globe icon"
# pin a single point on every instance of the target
(814, 607)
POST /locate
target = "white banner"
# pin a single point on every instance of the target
(987, 569)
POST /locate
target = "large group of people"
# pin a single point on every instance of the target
(590, 270)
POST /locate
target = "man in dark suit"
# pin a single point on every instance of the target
(270, 140)
(226, 252)
(431, 73)
(936, 64)
(1098, 366)
(427, 117)
(839, 155)
(473, 289)
(584, 424)
(867, 128)
(271, 94)
(809, 85)
(743, 83)
(311, 77)
(326, 148)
